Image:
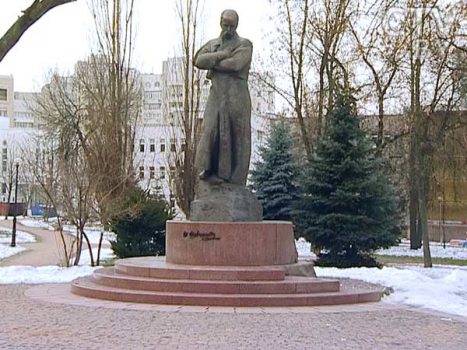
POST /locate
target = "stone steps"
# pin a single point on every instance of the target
(289, 285)
(158, 268)
(86, 287)
(152, 280)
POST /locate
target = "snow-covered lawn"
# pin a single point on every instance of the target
(42, 274)
(5, 240)
(6, 250)
(439, 288)
(436, 250)
(21, 237)
(403, 249)
(93, 231)
(50, 274)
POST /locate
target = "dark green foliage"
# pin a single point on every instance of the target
(273, 178)
(348, 208)
(141, 230)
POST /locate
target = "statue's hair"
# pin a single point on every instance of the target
(232, 12)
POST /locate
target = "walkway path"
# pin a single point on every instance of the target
(30, 323)
(43, 252)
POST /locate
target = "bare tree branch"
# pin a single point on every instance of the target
(30, 16)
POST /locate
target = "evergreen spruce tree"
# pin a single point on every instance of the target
(348, 208)
(140, 231)
(273, 178)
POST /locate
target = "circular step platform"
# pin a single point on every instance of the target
(152, 280)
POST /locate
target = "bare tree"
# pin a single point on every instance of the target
(310, 40)
(432, 88)
(184, 95)
(91, 118)
(381, 49)
(30, 16)
(290, 52)
(329, 22)
(41, 167)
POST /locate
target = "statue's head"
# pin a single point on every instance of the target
(229, 23)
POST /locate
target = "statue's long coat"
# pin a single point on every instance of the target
(225, 144)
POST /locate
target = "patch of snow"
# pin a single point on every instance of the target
(403, 249)
(304, 249)
(21, 236)
(49, 274)
(106, 253)
(93, 231)
(38, 223)
(436, 250)
(7, 251)
(439, 288)
(93, 234)
(42, 274)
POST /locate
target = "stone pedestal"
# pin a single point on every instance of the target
(221, 264)
(230, 243)
(224, 202)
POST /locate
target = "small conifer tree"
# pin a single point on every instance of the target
(274, 176)
(140, 231)
(348, 207)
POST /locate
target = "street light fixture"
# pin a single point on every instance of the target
(442, 235)
(13, 230)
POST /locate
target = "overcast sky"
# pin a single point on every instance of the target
(65, 35)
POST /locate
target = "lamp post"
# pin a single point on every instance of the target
(13, 231)
(442, 236)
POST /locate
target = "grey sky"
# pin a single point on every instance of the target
(65, 35)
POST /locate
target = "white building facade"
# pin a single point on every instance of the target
(158, 136)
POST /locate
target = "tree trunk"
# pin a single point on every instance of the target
(415, 237)
(26, 20)
(88, 243)
(423, 222)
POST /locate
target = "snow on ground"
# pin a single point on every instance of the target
(49, 274)
(403, 249)
(38, 223)
(93, 234)
(93, 231)
(6, 250)
(42, 274)
(439, 288)
(5, 240)
(436, 250)
(21, 237)
(106, 253)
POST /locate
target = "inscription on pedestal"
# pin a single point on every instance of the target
(205, 236)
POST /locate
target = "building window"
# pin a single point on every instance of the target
(172, 172)
(173, 147)
(141, 145)
(162, 145)
(162, 172)
(141, 172)
(152, 172)
(3, 94)
(4, 159)
(152, 146)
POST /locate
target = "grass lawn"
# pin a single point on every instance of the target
(390, 259)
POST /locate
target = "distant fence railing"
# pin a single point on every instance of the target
(11, 209)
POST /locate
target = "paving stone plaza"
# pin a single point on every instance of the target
(48, 317)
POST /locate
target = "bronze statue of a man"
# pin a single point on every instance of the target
(223, 152)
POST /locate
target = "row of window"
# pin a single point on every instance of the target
(162, 145)
(152, 172)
